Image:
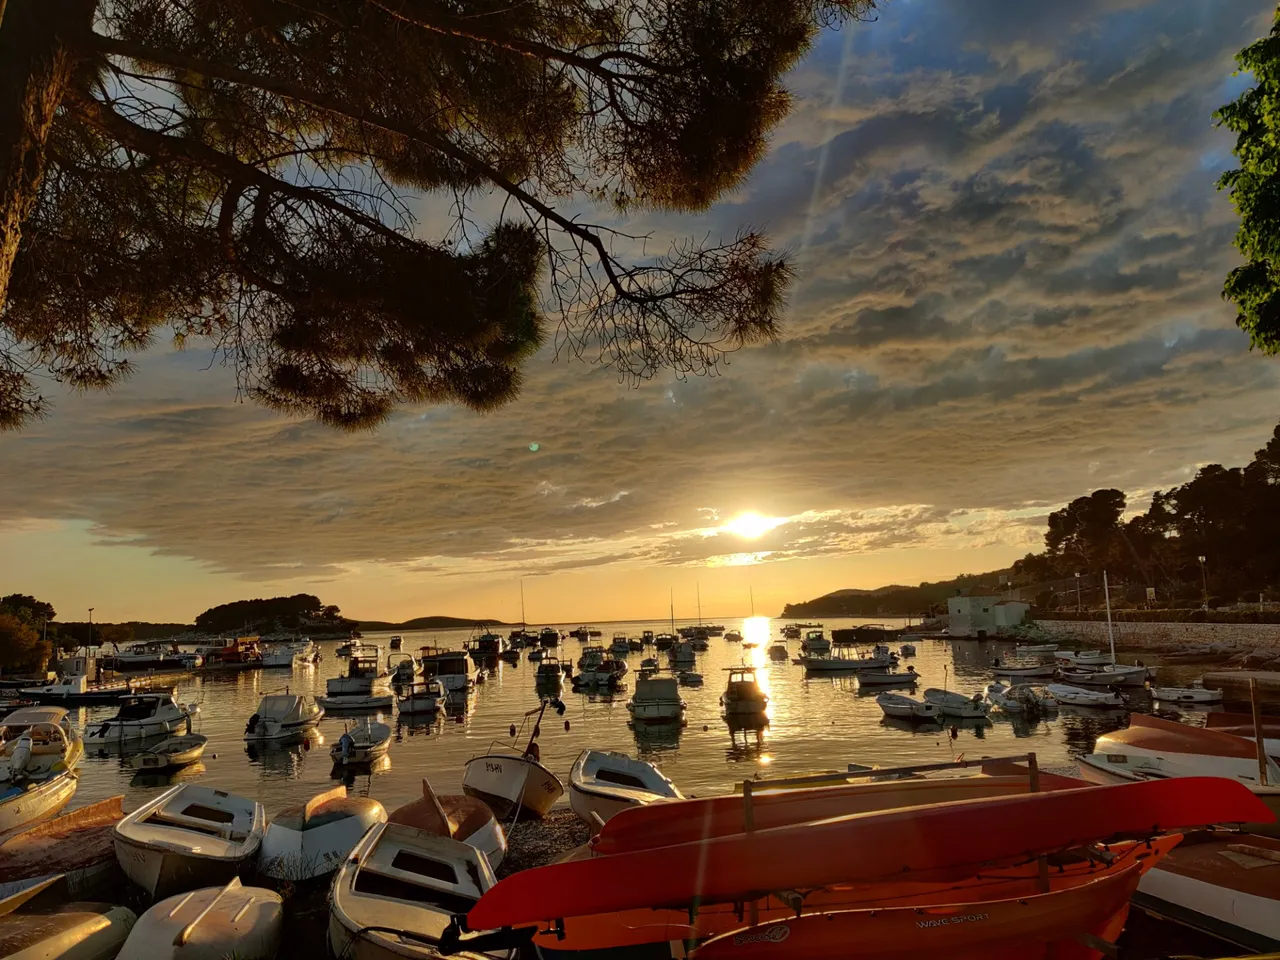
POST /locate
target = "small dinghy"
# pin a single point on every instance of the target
(779, 653)
(515, 783)
(460, 817)
(1035, 648)
(1111, 675)
(141, 716)
(213, 923)
(422, 699)
(888, 678)
(1186, 695)
(188, 837)
(688, 678)
(312, 839)
(41, 924)
(283, 716)
(1038, 671)
(602, 784)
(957, 705)
(998, 695)
(396, 894)
(907, 650)
(363, 742)
(905, 708)
(1082, 658)
(170, 754)
(1079, 697)
(357, 703)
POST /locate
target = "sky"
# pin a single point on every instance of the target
(1009, 250)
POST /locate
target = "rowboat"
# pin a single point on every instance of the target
(957, 705)
(905, 708)
(1078, 697)
(393, 898)
(37, 766)
(1111, 675)
(1021, 926)
(362, 743)
(1186, 695)
(190, 836)
(888, 678)
(283, 716)
(602, 784)
(1035, 648)
(998, 695)
(40, 924)
(1082, 657)
(1241, 725)
(460, 817)
(357, 703)
(310, 840)
(924, 843)
(1039, 671)
(170, 754)
(210, 924)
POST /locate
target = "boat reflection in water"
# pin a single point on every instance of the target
(656, 739)
(353, 773)
(278, 759)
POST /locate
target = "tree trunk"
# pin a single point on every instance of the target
(35, 65)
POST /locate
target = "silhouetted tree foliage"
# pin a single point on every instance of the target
(27, 608)
(21, 648)
(246, 173)
(1254, 287)
(1228, 515)
(282, 612)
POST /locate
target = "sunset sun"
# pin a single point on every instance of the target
(751, 525)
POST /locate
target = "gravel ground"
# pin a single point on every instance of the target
(536, 843)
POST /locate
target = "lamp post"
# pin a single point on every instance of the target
(90, 644)
(1204, 579)
(1078, 608)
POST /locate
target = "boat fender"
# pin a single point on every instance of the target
(512, 730)
(566, 726)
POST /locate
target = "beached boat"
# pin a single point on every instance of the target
(888, 678)
(512, 782)
(1186, 695)
(37, 766)
(656, 699)
(1038, 671)
(213, 923)
(77, 845)
(743, 695)
(1241, 725)
(312, 839)
(394, 897)
(188, 837)
(959, 705)
(170, 754)
(42, 923)
(140, 716)
(466, 819)
(905, 708)
(602, 784)
(363, 742)
(281, 716)
(1079, 697)
(422, 698)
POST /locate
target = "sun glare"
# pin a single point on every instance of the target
(751, 525)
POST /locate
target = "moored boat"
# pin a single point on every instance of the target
(451, 667)
(312, 839)
(743, 695)
(905, 708)
(364, 686)
(602, 784)
(888, 678)
(422, 698)
(362, 743)
(656, 700)
(1077, 658)
(1079, 697)
(281, 716)
(1109, 675)
(826, 662)
(997, 694)
(212, 923)
(170, 754)
(1186, 695)
(78, 690)
(1029, 648)
(959, 705)
(140, 716)
(1037, 671)
(779, 653)
(815, 642)
(188, 837)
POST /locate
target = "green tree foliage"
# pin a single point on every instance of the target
(1254, 117)
(277, 612)
(21, 648)
(248, 175)
(27, 608)
(1086, 529)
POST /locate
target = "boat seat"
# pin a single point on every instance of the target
(224, 830)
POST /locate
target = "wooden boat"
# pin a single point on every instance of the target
(1079, 697)
(827, 662)
(357, 703)
(395, 895)
(283, 716)
(1029, 648)
(905, 708)
(460, 817)
(188, 837)
(212, 923)
(1110, 675)
(170, 754)
(515, 783)
(602, 784)
(1077, 658)
(37, 767)
(915, 843)
(363, 742)
(310, 840)
(957, 705)
(656, 700)
(77, 845)
(1186, 695)
(1039, 671)
(1226, 885)
(140, 716)
(1017, 927)
(888, 678)
(42, 923)
(743, 695)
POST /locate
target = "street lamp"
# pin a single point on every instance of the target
(1077, 591)
(1204, 578)
(90, 644)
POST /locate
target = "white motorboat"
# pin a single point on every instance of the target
(687, 678)
(682, 652)
(1111, 675)
(77, 690)
(551, 669)
(364, 676)
(463, 818)
(602, 784)
(38, 756)
(888, 678)
(140, 716)
(779, 653)
(656, 700)
(905, 708)
(997, 694)
(605, 673)
(170, 754)
(959, 705)
(311, 840)
(362, 743)
(815, 642)
(453, 668)
(1082, 658)
(1036, 671)
(907, 650)
(39, 923)
(619, 647)
(287, 653)
(512, 782)
(843, 663)
(281, 716)
(212, 923)
(355, 703)
(190, 836)
(403, 668)
(397, 893)
(1031, 648)
(1186, 695)
(1079, 697)
(422, 698)
(743, 695)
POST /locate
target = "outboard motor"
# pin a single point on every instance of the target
(347, 744)
(252, 724)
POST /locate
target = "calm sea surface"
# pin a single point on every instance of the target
(815, 724)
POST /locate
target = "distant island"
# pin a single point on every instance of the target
(428, 623)
(896, 600)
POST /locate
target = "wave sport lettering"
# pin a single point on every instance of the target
(948, 921)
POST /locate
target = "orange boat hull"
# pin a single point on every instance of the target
(1018, 927)
(635, 927)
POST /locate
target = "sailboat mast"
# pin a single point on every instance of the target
(1110, 634)
(699, 589)
(523, 622)
(673, 610)
(752, 591)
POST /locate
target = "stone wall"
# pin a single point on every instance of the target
(1168, 636)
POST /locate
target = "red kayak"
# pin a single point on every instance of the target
(1019, 928)
(912, 843)
(686, 821)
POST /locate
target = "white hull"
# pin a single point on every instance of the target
(1075, 697)
(381, 702)
(1026, 673)
(294, 849)
(602, 785)
(158, 870)
(957, 705)
(1187, 695)
(418, 705)
(226, 921)
(656, 710)
(114, 731)
(920, 711)
(841, 665)
(1216, 904)
(508, 782)
(31, 806)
